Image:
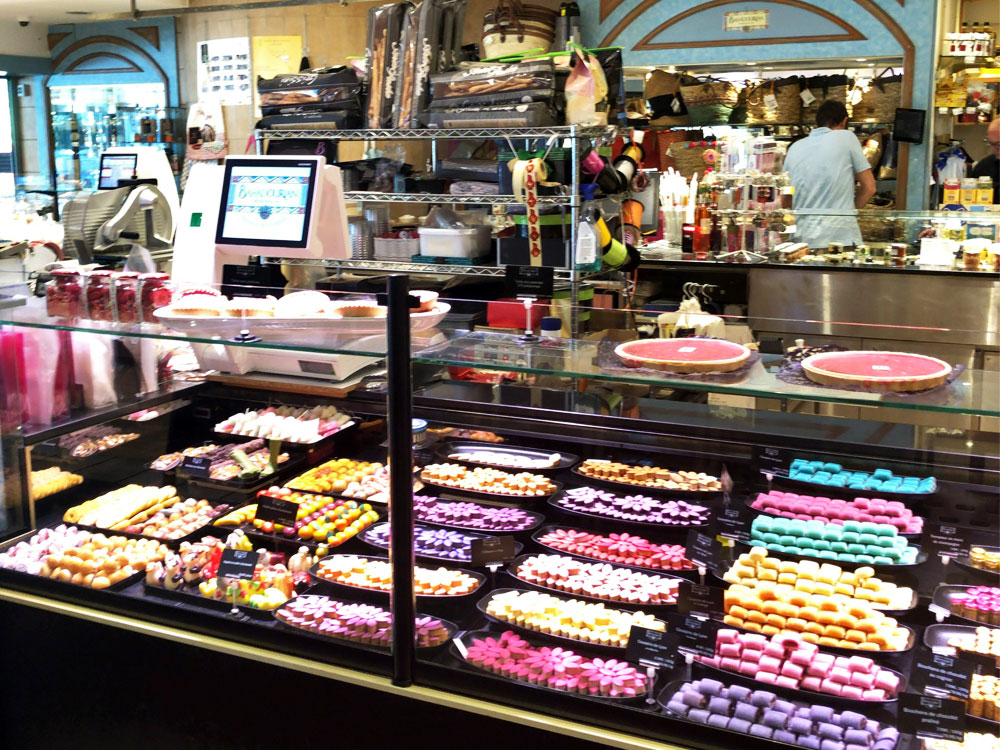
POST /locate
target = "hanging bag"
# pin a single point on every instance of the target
(880, 101)
(774, 101)
(709, 102)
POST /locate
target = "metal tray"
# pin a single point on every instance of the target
(936, 638)
(920, 560)
(637, 525)
(570, 643)
(567, 459)
(943, 595)
(322, 441)
(768, 513)
(495, 496)
(683, 494)
(806, 696)
(321, 582)
(538, 520)
(966, 562)
(468, 637)
(652, 608)
(782, 480)
(447, 561)
(691, 575)
(451, 627)
(195, 599)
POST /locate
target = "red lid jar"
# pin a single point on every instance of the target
(64, 294)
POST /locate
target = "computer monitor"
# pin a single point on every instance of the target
(282, 207)
(116, 167)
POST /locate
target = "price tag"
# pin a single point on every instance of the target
(702, 601)
(237, 563)
(196, 466)
(276, 510)
(940, 674)
(702, 549)
(697, 636)
(734, 522)
(807, 97)
(492, 550)
(772, 461)
(946, 541)
(931, 718)
(529, 281)
(771, 101)
(652, 648)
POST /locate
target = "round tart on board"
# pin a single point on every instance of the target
(684, 355)
(889, 371)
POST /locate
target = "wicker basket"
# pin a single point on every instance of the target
(878, 228)
(785, 91)
(693, 156)
(826, 88)
(709, 102)
(880, 101)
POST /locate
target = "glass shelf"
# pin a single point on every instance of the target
(423, 134)
(972, 392)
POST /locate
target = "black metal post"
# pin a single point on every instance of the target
(399, 410)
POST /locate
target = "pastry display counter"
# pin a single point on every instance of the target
(560, 533)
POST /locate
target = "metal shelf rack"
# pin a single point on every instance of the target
(393, 266)
(364, 196)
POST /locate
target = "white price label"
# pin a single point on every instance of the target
(687, 349)
(807, 97)
(771, 101)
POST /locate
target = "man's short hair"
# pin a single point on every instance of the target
(830, 113)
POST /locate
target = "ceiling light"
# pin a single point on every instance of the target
(871, 65)
(768, 67)
(862, 59)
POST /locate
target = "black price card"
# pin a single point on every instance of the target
(733, 521)
(931, 718)
(529, 281)
(941, 674)
(946, 541)
(493, 550)
(696, 636)
(695, 599)
(196, 466)
(702, 548)
(237, 563)
(276, 510)
(772, 460)
(652, 648)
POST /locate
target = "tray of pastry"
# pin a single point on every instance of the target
(680, 483)
(506, 457)
(489, 483)
(371, 574)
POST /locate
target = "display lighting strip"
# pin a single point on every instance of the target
(566, 131)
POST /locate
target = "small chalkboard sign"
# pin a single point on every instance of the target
(196, 466)
(931, 718)
(773, 461)
(493, 550)
(733, 521)
(652, 648)
(702, 548)
(237, 563)
(276, 510)
(529, 281)
(704, 601)
(944, 540)
(696, 636)
(940, 674)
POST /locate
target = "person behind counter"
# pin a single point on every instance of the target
(823, 169)
(989, 166)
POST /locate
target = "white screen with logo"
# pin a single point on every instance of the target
(267, 203)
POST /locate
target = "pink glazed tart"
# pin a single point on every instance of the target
(684, 355)
(889, 371)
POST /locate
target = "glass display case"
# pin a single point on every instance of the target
(630, 537)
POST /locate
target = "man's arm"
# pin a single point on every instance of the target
(865, 189)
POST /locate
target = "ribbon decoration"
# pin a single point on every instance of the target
(527, 174)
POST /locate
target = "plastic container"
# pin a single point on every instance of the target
(98, 296)
(419, 431)
(127, 297)
(469, 242)
(153, 293)
(396, 248)
(64, 293)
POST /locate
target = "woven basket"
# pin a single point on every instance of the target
(690, 156)
(786, 92)
(880, 101)
(878, 228)
(510, 28)
(709, 102)
(826, 88)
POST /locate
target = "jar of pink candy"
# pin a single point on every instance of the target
(127, 297)
(97, 293)
(64, 294)
(154, 293)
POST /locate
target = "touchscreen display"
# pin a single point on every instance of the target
(267, 203)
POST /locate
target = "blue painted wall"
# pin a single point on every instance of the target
(917, 19)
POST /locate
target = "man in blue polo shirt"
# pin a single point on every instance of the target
(824, 168)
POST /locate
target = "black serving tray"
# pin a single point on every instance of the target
(304, 446)
(538, 520)
(566, 461)
(937, 636)
(839, 491)
(682, 494)
(626, 524)
(920, 559)
(468, 637)
(691, 575)
(451, 627)
(768, 513)
(54, 452)
(321, 583)
(651, 608)
(801, 694)
(876, 655)
(172, 543)
(193, 598)
(966, 562)
(943, 595)
(562, 640)
(447, 561)
(495, 496)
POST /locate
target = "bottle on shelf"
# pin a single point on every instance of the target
(715, 228)
(587, 237)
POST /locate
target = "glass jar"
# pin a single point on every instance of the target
(153, 293)
(127, 297)
(63, 295)
(98, 296)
